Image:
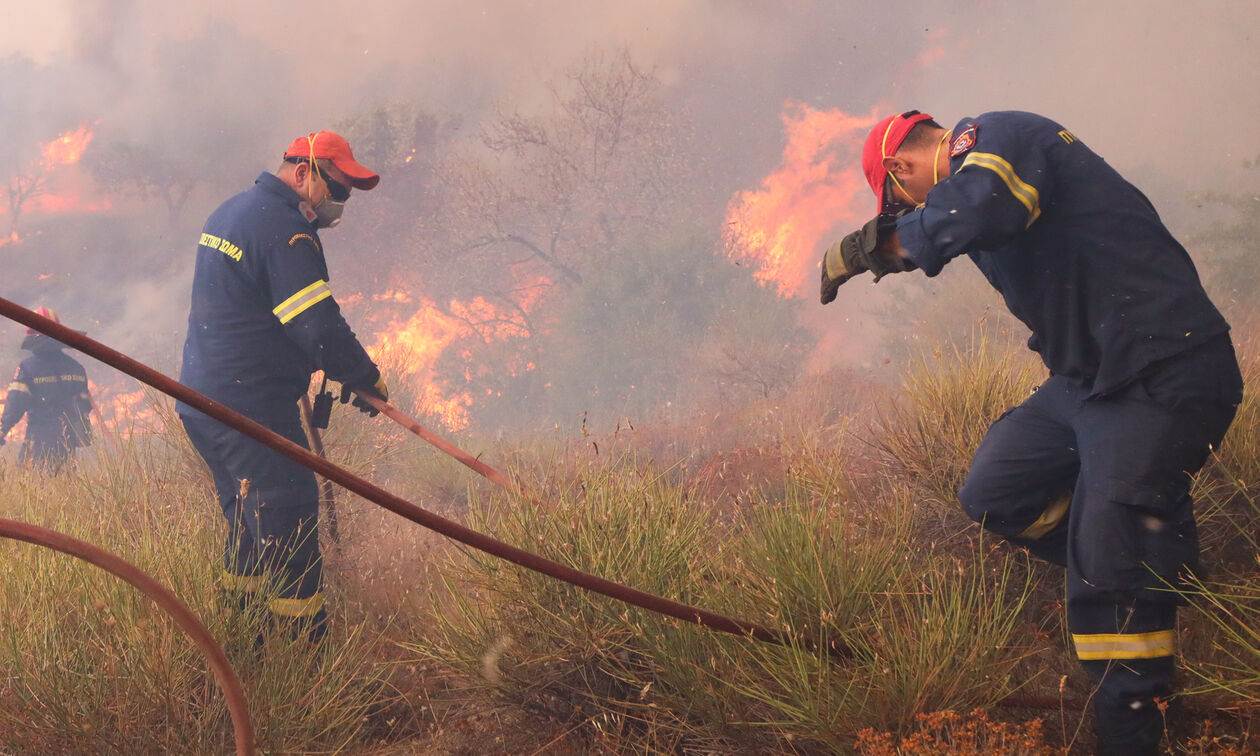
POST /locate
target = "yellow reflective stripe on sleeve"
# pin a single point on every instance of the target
(1124, 645)
(19, 386)
(307, 607)
(298, 303)
(834, 260)
(1048, 520)
(242, 582)
(1027, 194)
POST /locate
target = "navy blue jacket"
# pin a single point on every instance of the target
(51, 389)
(1078, 253)
(263, 317)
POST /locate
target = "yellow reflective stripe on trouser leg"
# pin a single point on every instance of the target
(298, 303)
(242, 582)
(1027, 194)
(1048, 520)
(307, 607)
(1124, 645)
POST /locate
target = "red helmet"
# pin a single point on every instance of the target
(43, 312)
(35, 340)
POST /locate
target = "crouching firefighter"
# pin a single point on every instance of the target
(1093, 471)
(50, 389)
(262, 320)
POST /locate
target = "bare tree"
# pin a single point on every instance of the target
(25, 183)
(541, 198)
(147, 171)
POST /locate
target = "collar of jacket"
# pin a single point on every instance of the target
(270, 182)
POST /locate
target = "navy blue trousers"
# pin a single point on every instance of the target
(49, 456)
(1101, 486)
(271, 504)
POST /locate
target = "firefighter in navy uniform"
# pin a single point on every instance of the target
(262, 320)
(1093, 471)
(50, 388)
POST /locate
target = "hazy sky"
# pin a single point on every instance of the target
(1144, 81)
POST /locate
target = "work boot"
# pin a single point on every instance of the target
(1130, 727)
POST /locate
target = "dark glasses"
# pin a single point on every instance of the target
(337, 190)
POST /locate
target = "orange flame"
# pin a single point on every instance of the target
(67, 202)
(68, 148)
(778, 228)
(414, 344)
(114, 408)
(123, 412)
(14, 237)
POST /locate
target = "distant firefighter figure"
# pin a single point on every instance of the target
(50, 389)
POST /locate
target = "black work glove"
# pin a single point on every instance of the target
(840, 263)
(378, 390)
(856, 253)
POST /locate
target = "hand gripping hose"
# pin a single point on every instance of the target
(402, 507)
(166, 601)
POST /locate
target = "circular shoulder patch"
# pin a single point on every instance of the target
(963, 142)
(293, 240)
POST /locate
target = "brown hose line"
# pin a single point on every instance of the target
(399, 506)
(166, 601)
(190, 624)
(481, 468)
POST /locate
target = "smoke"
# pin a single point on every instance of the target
(1147, 78)
(212, 92)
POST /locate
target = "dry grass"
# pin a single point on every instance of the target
(926, 632)
(788, 513)
(947, 733)
(88, 665)
(948, 398)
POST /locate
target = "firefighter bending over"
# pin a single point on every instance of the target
(1093, 471)
(50, 388)
(263, 319)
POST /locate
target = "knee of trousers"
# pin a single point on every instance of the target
(299, 494)
(1026, 517)
(975, 501)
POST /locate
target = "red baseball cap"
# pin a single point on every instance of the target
(333, 146)
(883, 142)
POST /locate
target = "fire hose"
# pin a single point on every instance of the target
(400, 506)
(218, 662)
(166, 601)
